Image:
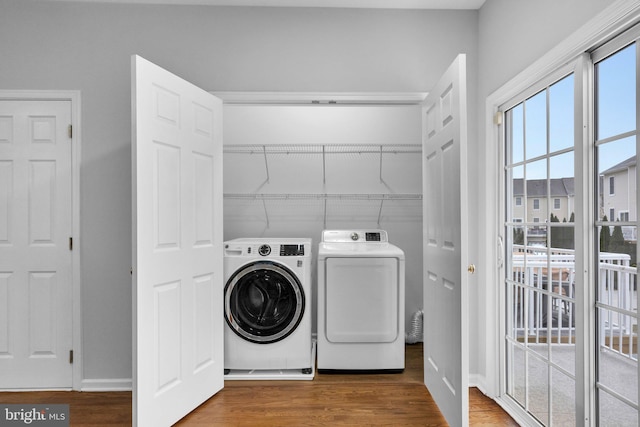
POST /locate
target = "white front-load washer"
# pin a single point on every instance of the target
(267, 304)
(360, 302)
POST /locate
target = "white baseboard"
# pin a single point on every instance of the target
(116, 384)
(478, 381)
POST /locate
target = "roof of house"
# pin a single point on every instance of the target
(624, 165)
(538, 187)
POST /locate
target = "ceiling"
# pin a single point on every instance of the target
(372, 4)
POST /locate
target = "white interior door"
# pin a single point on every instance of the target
(446, 360)
(177, 245)
(35, 257)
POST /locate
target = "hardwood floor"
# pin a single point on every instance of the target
(330, 399)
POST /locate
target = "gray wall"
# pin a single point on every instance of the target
(87, 47)
(515, 33)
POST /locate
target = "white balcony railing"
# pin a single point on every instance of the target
(541, 299)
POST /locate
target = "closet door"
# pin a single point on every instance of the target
(177, 245)
(446, 354)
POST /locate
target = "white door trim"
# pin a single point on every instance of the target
(74, 97)
(613, 20)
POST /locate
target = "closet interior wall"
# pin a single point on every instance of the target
(294, 170)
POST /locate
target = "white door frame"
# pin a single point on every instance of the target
(306, 98)
(613, 20)
(74, 97)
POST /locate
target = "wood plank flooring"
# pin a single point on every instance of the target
(330, 399)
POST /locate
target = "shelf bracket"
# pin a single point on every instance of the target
(325, 213)
(324, 166)
(266, 213)
(381, 180)
(266, 163)
(380, 211)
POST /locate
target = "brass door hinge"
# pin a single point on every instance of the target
(71, 356)
(70, 243)
(70, 131)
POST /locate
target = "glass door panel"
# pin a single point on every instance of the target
(616, 94)
(535, 126)
(540, 282)
(616, 226)
(563, 398)
(561, 115)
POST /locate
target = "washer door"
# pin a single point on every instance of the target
(263, 302)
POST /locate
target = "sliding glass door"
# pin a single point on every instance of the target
(540, 284)
(616, 292)
(571, 301)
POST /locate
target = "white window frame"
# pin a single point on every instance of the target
(558, 205)
(518, 201)
(536, 204)
(612, 21)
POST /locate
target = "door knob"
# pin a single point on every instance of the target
(471, 269)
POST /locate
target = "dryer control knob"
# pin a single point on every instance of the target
(264, 250)
(354, 236)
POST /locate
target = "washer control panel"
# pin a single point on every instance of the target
(270, 248)
(285, 250)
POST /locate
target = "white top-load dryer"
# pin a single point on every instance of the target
(360, 302)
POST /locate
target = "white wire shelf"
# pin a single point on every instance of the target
(286, 149)
(379, 150)
(322, 196)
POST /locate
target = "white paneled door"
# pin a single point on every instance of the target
(35, 256)
(446, 360)
(177, 245)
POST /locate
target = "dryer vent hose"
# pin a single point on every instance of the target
(414, 334)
